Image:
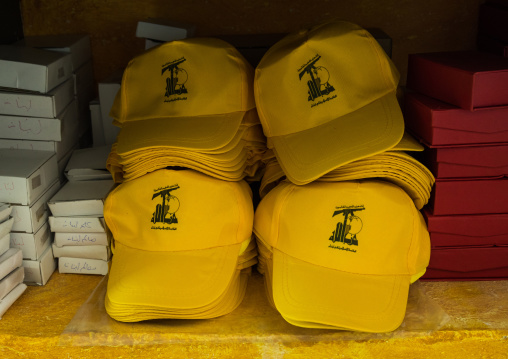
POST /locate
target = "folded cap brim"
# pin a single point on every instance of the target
(305, 156)
(174, 280)
(197, 133)
(315, 296)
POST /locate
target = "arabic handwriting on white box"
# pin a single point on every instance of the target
(26, 125)
(8, 186)
(77, 224)
(82, 238)
(80, 268)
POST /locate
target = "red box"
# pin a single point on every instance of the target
(467, 161)
(481, 263)
(437, 123)
(467, 230)
(467, 79)
(493, 46)
(493, 21)
(471, 196)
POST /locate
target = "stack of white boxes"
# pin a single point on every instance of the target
(11, 270)
(81, 243)
(27, 180)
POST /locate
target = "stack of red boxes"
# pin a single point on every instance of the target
(457, 105)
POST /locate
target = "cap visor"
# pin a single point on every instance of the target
(307, 155)
(198, 133)
(173, 280)
(308, 293)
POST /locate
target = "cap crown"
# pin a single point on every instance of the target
(320, 74)
(190, 77)
(363, 227)
(170, 210)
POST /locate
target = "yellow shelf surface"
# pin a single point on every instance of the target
(66, 319)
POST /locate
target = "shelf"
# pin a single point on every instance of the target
(66, 318)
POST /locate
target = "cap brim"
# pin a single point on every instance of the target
(198, 133)
(305, 156)
(172, 280)
(316, 296)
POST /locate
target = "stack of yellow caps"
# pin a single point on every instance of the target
(341, 255)
(394, 165)
(182, 246)
(339, 231)
(187, 103)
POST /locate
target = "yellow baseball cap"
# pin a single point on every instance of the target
(179, 236)
(343, 253)
(188, 92)
(326, 96)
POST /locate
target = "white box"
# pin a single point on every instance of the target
(77, 224)
(81, 198)
(89, 164)
(164, 29)
(82, 266)
(29, 145)
(30, 219)
(107, 93)
(77, 45)
(87, 252)
(25, 175)
(5, 211)
(9, 261)
(11, 297)
(62, 163)
(38, 128)
(33, 104)
(96, 120)
(6, 226)
(5, 243)
(11, 280)
(81, 239)
(38, 272)
(31, 69)
(32, 245)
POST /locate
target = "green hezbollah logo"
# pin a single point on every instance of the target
(175, 82)
(318, 81)
(167, 207)
(348, 226)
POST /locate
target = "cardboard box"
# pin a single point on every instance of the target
(471, 196)
(6, 226)
(9, 282)
(39, 128)
(96, 120)
(493, 21)
(475, 263)
(164, 29)
(89, 164)
(50, 146)
(9, 261)
(108, 88)
(437, 123)
(32, 104)
(467, 230)
(81, 239)
(494, 46)
(467, 79)
(5, 211)
(5, 243)
(11, 297)
(30, 219)
(38, 272)
(467, 161)
(81, 198)
(82, 266)
(77, 224)
(25, 175)
(33, 69)
(87, 252)
(32, 245)
(77, 45)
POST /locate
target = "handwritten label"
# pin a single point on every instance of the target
(77, 224)
(80, 267)
(85, 238)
